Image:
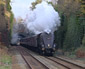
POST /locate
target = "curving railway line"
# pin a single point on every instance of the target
(35, 61)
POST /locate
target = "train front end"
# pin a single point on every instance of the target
(47, 43)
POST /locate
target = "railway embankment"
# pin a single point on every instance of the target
(5, 15)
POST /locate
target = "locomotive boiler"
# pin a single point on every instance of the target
(43, 42)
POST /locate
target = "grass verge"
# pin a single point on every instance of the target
(5, 58)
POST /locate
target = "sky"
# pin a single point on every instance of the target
(20, 7)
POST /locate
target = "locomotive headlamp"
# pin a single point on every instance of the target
(48, 45)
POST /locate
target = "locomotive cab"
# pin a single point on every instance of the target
(46, 42)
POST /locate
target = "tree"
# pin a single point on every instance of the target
(69, 35)
(69, 6)
(72, 37)
(35, 3)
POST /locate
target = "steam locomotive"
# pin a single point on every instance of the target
(43, 43)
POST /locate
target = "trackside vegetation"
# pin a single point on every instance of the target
(70, 35)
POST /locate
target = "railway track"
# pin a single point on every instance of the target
(35, 61)
(31, 62)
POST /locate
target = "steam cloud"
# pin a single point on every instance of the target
(43, 19)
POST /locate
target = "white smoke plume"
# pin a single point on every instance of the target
(43, 19)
